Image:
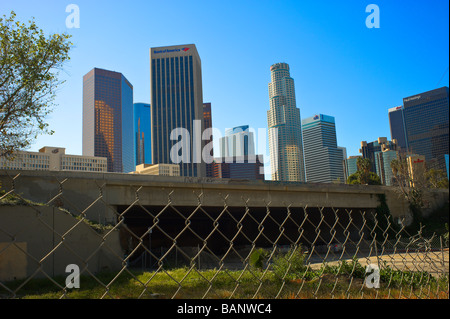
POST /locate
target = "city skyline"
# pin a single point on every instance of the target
(366, 75)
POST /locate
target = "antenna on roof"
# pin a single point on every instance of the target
(442, 77)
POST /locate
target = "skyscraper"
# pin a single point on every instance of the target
(238, 141)
(207, 121)
(323, 158)
(207, 115)
(351, 166)
(426, 123)
(177, 108)
(422, 125)
(285, 132)
(383, 168)
(142, 133)
(108, 119)
(368, 150)
(238, 157)
(397, 126)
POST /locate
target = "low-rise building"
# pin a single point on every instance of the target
(239, 167)
(53, 159)
(416, 169)
(158, 169)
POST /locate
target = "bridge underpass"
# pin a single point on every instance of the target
(214, 230)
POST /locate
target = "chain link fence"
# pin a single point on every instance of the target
(52, 248)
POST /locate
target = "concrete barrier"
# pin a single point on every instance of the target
(40, 240)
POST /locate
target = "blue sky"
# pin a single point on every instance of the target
(340, 67)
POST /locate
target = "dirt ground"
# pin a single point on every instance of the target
(433, 262)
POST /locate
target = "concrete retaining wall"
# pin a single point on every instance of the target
(45, 239)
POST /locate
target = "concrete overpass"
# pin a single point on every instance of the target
(219, 213)
(81, 192)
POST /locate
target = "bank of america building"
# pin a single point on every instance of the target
(177, 102)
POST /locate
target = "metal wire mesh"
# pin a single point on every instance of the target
(243, 250)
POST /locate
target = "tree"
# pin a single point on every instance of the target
(371, 179)
(363, 175)
(364, 165)
(411, 189)
(436, 178)
(414, 185)
(29, 67)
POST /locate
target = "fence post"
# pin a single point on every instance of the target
(150, 246)
(198, 253)
(376, 252)
(442, 251)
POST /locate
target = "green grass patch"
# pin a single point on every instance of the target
(345, 280)
(15, 200)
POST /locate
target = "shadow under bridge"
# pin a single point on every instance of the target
(185, 230)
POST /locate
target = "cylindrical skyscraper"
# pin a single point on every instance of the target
(285, 132)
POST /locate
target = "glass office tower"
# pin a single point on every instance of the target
(397, 126)
(238, 141)
(323, 158)
(108, 119)
(426, 120)
(177, 103)
(142, 133)
(285, 132)
(383, 161)
(350, 166)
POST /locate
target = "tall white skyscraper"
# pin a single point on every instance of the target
(285, 132)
